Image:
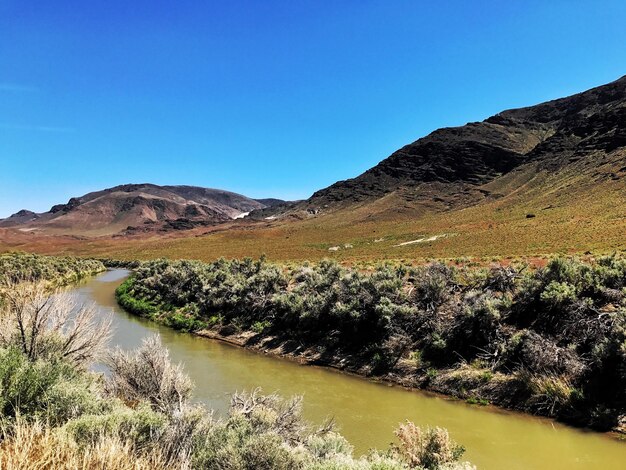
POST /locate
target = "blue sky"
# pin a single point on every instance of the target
(269, 98)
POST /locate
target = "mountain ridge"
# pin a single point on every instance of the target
(138, 207)
(479, 152)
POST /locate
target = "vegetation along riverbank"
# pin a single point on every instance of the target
(54, 271)
(56, 413)
(548, 341)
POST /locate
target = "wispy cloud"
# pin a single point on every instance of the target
(15, 87)
(14, 127)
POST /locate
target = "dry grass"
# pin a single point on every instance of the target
(428, 449)
(39, 447)
(572, 214)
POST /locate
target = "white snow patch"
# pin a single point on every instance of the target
(271, 217)
(241, 216)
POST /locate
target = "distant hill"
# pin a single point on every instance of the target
(138, 207)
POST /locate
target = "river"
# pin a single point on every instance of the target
(365, 412)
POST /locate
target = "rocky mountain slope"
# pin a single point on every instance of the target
(138, 207)
(450, 167)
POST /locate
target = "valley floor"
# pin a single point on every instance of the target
(536, 224)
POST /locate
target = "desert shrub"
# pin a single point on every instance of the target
(120, 263)
(271, 413)
(564, 300)
(20, 267)
(611, 271)
(374, 461)
(501, 279)
(45, 326)
(434, 347)
(347, 308)
(147, 374)
(476, 325)
(558, 294)
(327, 445)
(268, 432)
(185, 429)
(141, 426)
(429, 449)
(55, 413)
(267, 451)
(432, 285)
(240, 288)
(233, 445)
(46, 343)
(392, 349)
(260, 432)
(530, 351)
(567, 270)
(565, 319)
(52, 391)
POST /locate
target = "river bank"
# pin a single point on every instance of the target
(472, 345)
(365, 411)
(450, 384)
(57, 411)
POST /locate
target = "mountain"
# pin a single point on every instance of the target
(453, 167)
(138, 207)
(544, 179)
(22, 216)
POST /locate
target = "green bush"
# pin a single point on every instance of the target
(183, 322)
(558, 294)
(48, 390)
(133, 304)
(142, 426)
(18, 267)
(260, 326)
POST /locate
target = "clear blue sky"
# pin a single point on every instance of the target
(269, 98)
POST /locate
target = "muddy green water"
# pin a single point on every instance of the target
(366, 412)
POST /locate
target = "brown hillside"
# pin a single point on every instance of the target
(136, 207)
